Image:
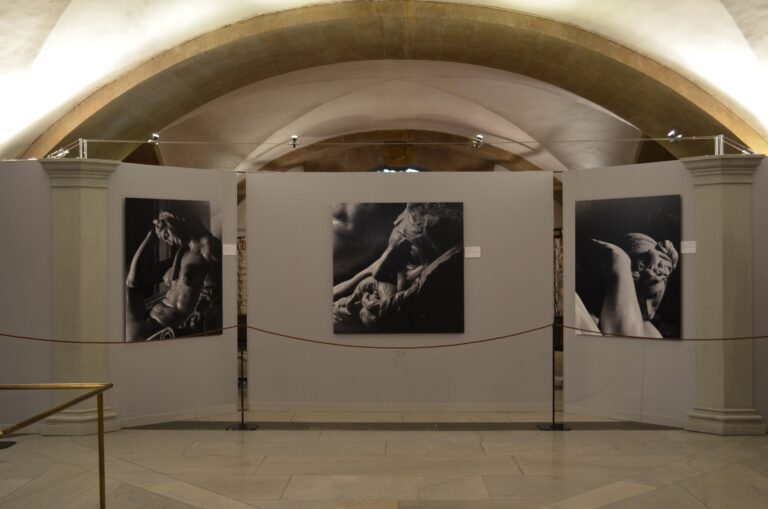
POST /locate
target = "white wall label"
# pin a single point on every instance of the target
(688, 246)
(472, 252)
(229, 249)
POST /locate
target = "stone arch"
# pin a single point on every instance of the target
(636, 88)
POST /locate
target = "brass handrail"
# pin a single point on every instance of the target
(96, 390)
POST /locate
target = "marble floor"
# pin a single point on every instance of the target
(338, 468)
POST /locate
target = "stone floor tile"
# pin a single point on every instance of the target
(540, 490)
(733, 487)
(388, 465)
(673, 497)
(386, 486)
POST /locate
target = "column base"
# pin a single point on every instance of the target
(722, 421)
(76, 422)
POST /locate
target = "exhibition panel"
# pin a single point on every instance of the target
(629, 276)
(25, 303)
(194, 292)
(397, 260)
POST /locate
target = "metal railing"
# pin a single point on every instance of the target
(95, 390)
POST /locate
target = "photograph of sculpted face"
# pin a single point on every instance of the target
(398, 267)
(628, 266)
(173, 269)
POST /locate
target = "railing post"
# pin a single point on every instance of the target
(102, 481)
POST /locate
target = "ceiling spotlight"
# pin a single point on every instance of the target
(478, 141)
(58, 154)
(294, 141)
(673, 136)
(154, 139)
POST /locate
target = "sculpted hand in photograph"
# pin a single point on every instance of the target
(633, 277)
(189, 283)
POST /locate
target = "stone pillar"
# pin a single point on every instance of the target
(723, 297)
(79, 270)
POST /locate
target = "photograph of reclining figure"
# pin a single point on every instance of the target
(173, 269)
(398, 268)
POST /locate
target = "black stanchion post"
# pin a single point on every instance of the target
(557, 325)
(242, 380)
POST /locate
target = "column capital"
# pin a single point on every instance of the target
(725, 169)
(90, 173)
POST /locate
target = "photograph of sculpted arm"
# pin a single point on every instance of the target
(633, 277)
(414, 282)
(180, 295)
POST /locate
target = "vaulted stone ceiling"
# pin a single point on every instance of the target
(99, 70)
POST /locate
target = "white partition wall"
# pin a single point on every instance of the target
(25, 294)
(507, 289)
(186, 377)
(642, 380)
(760, 286)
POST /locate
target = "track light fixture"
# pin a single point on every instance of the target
(294, 141)
(59, 154)
(154, 139)
(478, 141)
(674, 136)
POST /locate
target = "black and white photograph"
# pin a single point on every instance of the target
(173, 269)
(628, 266)
(398, 267)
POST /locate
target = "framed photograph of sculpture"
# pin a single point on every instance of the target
(628, 266)
(398, 267)
(172, 269)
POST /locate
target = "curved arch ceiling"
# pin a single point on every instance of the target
(721, 90)
(523, 116)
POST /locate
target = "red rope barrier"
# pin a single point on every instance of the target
(385, 347)
(375, 347)
(589, 332)
(282, 335)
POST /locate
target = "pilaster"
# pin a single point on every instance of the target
(79, 270)
(723, 296)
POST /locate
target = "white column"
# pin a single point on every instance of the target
(79, 270)
(723, 296)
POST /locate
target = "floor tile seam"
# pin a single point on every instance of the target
(255, 469)
(691, 493)
(26, 481)
(209, 490)
(444, 482)
(169, 476)
(485, 485)
(682, 461)
(69, 463)
(758, 472)
(285, 487)
(187, 448)
(517, 464)
(729, 463)
(148, 469)
(615, 446)
(715, 471)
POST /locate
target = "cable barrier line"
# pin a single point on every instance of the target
(587, 332)
(281, 335)
(399, 347)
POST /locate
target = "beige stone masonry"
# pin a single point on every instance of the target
(79, 289)
(724, 399)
